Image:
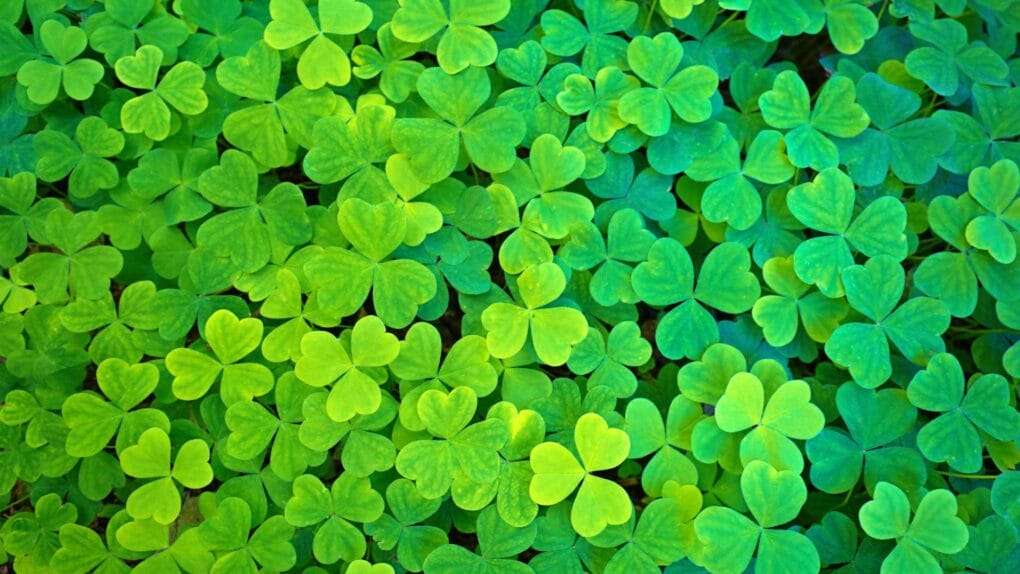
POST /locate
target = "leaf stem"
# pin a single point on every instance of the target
(971, 476)
(881, 11)
(648, 19)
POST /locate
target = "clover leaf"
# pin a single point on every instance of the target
(398, 286)
(952, 437)
(995, 189)
(84, 158)
(874, 421)
(159, 499)
(487, 137)
(910, 148)
(667, 277)
(43, 77)
(227, 532)
(418, 362)
(599, 502)
(787, 106)
(462, 452)
(827, 205)
(565, 35)
(180, 86)
(934, 527)
(607, 360)
(915, 327)
(940, 64)
(322, 61)
(774, 498)
(787, 414)
(231, 340)
(687, 91)
(263, 127)
(463, 42)
(350, 498)
(552, 330)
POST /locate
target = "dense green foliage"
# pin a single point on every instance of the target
(509, 286)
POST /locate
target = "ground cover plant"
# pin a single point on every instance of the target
(509, 286)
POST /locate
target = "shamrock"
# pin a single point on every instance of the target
(364, 450)
(263, 127)
(628, 243)
(648, 193)
(667, 277)
(322, 61)
(33, 537)
(466, 365)
(935, 527)
(413, 541)
(284, 341)
(181, 87)
(953, 276)
(553, 330)
(342, 278)
(226, 32)
(350, 149)
(325, 360)
(461, 452)
(488, 138)
(770, 19)
(525, 428)
(648, 433)
(226, 532)
(910, 148)
(461, 262)
(83, 548)
(44, 77)
(253, 225)
(940, 64)
(787, 106)
(827, 205)
(952, 436)
(660, 534)
(732, 197)
(150, 458)
(874, 421)
(84, 158)
(463, 42)
(549, 211)
(164, 173)
(498, 543)
(23, 215)
(995, 189)
(77, 269)
(778, 315)
(787, 414)
(252, 427)
(607, 360)
(774, 497)
(93, 421)
(850, 25)
(231, 339)
(874, 289)
(535, 98)
(600, 103)
(398, 76)
(350, 498)
(599, 502)
(566, 36)
(124, 328)
(687, 92)
(986, 137)
(115, 31)
(679, 9)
